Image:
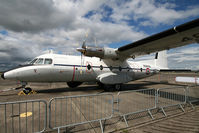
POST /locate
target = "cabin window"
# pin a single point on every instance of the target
(101, 67)
(48, 61)
(39, 61)
(88, 66)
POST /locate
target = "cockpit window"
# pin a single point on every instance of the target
(48, 61)
(33, 61)
(39, 61)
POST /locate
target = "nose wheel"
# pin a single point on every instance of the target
(26, 91)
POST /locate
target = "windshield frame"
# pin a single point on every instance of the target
(33, 61)
(41, 61)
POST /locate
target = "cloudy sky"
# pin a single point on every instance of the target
(29, 28)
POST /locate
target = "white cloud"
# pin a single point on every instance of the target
(35, 26)
(197, 67)
(152, 12)
(184, 57)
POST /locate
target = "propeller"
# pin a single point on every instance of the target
(82, 50)
(95, 51)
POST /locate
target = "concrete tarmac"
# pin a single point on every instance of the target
(100, 106)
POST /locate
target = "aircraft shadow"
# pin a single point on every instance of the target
(8, 95)
(66, 89)
(125, 87)
(144, 85)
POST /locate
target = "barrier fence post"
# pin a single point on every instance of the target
(102, 129)
(156, 98)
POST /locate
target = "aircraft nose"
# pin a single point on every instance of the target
(2, 76)
(9, 75)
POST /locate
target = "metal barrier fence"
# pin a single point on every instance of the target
(23, 116)
(75, 110)
(192, 93)
(31, 116)
(167, 97)
(131, 102)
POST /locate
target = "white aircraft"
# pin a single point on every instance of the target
(107, 66)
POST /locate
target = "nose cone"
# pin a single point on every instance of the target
(2, 76)
(9, 75)
(80, 50)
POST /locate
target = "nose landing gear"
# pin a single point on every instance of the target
(26, 90)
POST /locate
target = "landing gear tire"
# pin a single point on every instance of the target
(73, 84)
(111, 88)
(118, 87)
(100, 85)
(27, 90)
(108, 88)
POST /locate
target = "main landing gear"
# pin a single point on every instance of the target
(73, 84)
(115, 87)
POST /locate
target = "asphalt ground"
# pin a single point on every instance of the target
(80, 109)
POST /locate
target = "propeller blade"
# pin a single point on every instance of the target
(84, 44)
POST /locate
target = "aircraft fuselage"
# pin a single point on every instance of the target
(65, 68)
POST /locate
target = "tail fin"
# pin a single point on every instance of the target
(161, 60)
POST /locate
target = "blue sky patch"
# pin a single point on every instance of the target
(3, 32)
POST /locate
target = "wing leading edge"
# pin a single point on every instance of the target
(181, 35)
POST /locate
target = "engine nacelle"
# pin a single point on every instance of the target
(110, 53)
(103, 53)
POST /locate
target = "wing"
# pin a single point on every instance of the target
(175, 37)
